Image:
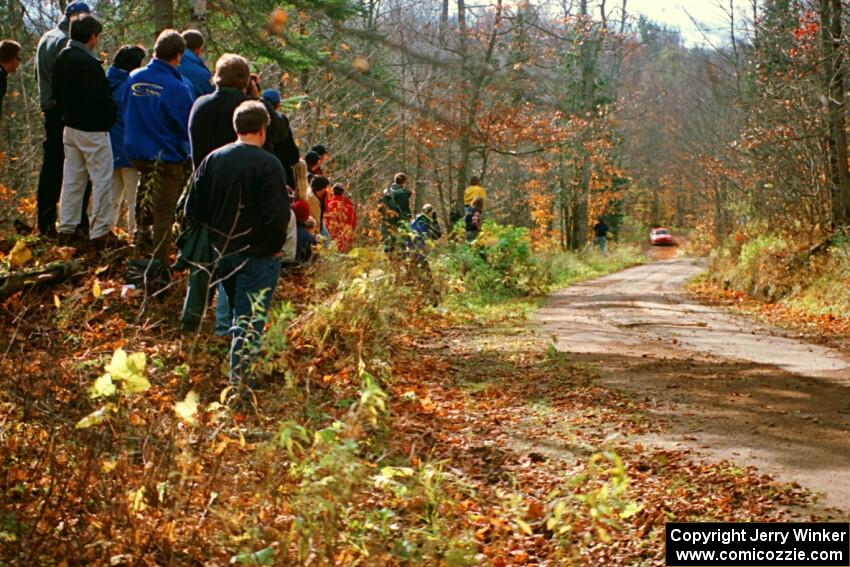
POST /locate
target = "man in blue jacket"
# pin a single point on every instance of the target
(192, 66)
(156, 139)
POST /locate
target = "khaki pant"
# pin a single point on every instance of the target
(125, 182)
(160, 186)
(87, 155)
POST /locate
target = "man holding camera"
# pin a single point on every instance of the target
(210, 124)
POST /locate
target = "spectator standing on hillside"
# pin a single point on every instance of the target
(239, 192)
(314, 166)
(83, 96)
(321, 151)
(50, 178)
(473, 191)
(156, 138)
(305, 239)
(302, 186)
(125, 177)
(341, 218)
(272, 96)
(209, 123)
(600, 231)
(395, 210)
(316, 199)
(192, 65)
(426, 226)
(10, 60)
(211, 119)
(473, 219)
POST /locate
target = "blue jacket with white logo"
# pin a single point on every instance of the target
(118, 79)
(193, 68)
(156, 114)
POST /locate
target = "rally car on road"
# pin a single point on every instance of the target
(661, 237)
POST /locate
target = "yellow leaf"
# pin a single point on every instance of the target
(427, 404)
(123, 365)
(94, 417)
(20, 254)
(56, 301)
(136, 499)
(108, 466)
(134, 384)
(95, 289)
(103, 387)
(188, 408)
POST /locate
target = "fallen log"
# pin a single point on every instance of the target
(54, 272)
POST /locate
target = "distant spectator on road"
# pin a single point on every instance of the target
(600, 231)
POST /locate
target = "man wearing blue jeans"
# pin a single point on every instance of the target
(600, 235)
(239, 193)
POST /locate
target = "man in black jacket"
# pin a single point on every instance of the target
(210, 125)
(239, 193)
(83, 96)
(50, 178)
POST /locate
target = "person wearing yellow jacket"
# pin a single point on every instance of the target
(474, 190)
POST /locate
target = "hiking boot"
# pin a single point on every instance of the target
(76, 239)
(106, 241)
(143, 240)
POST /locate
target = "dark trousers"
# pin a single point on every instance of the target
(249, 283)
(50, 178)
(160, 186)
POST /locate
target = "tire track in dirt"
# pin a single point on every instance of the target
(725, 386)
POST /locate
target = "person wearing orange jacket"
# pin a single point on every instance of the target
(341, 218)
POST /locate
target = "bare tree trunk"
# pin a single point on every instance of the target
(199, 14)
(473, 102)
(837, 116)
(444, 22)
(836, 137)
(163, 15)
(581, 202)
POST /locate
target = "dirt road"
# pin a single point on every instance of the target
(725, 386)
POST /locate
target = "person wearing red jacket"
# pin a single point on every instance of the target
(341, 218)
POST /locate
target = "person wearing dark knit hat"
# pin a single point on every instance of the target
(314, 165)
(305, 241)
(272, 96)
(321, 151)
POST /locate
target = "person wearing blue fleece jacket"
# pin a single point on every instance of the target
(192, 66)
(125, 177)
(156, 139)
